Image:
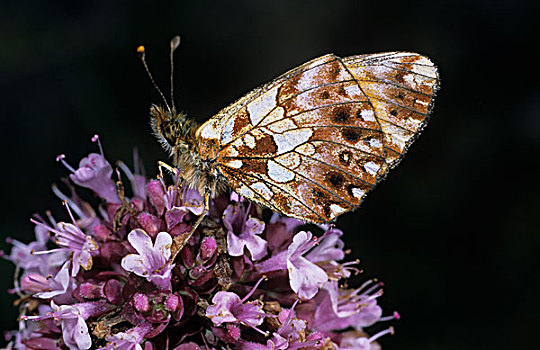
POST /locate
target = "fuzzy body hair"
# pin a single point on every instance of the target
(177, 135)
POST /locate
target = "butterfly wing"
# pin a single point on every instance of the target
(313, 142)
(401, 87)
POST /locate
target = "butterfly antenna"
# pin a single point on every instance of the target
(141, 52)
(175, 42)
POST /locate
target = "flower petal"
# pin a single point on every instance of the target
(163, 244)
(305, 277)
(235, 245)
(135, 263)
(140, 240)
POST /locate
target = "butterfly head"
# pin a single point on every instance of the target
(167, 126)
(172, 129)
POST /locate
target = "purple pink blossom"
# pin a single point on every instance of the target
(243, 279)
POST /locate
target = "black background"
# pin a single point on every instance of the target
(452, 231)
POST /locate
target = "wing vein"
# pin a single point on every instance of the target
(336, 168)
(316, 87)
(335, 195)
(281, 190)
(408, 71)
(396, 85)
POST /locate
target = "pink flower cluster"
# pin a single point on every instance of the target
(244, 280)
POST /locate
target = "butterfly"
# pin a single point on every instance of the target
(311, 143)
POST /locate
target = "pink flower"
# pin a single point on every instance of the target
(329, 247)
(243, 231)
(228, 307)
(71, 238)
(152, 260)
(94, 172)
(72, 320)
(74, 328)
(305, 277)
(356, 340)
(334, 308)
(237, 283)
(61, 285)
(129, 340)
(24, 254)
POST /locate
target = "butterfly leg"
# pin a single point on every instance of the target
(169, 168)
(180, 241)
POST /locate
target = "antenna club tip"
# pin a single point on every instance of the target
(140, 49)
(175, 42)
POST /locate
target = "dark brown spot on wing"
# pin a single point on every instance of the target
(335, 179)
(341, 115)
(336, 68)
(327, 211)
(325, 95)
(351, 134)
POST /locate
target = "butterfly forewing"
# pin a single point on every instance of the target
(313, 142)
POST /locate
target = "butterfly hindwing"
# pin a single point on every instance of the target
(311, 143)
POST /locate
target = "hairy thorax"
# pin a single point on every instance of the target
(177, 135)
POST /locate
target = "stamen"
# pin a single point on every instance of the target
(48, 315)
(16, 284)
(70, 202)
(95, 138)
(125, 169)
(118, 175)
(50, 251)
(364, 285)
(168, 198)
(137, 163)
(263, 278)
(381, 333)
(394, 316)
(65, 203)
(50, 229)
(51, 218)
(265, 333)
(348, 266)
(60, 158)
(291, 312)
(246, 214)
(376, 295)
(351, 263)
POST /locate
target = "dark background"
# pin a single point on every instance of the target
(452, 231)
